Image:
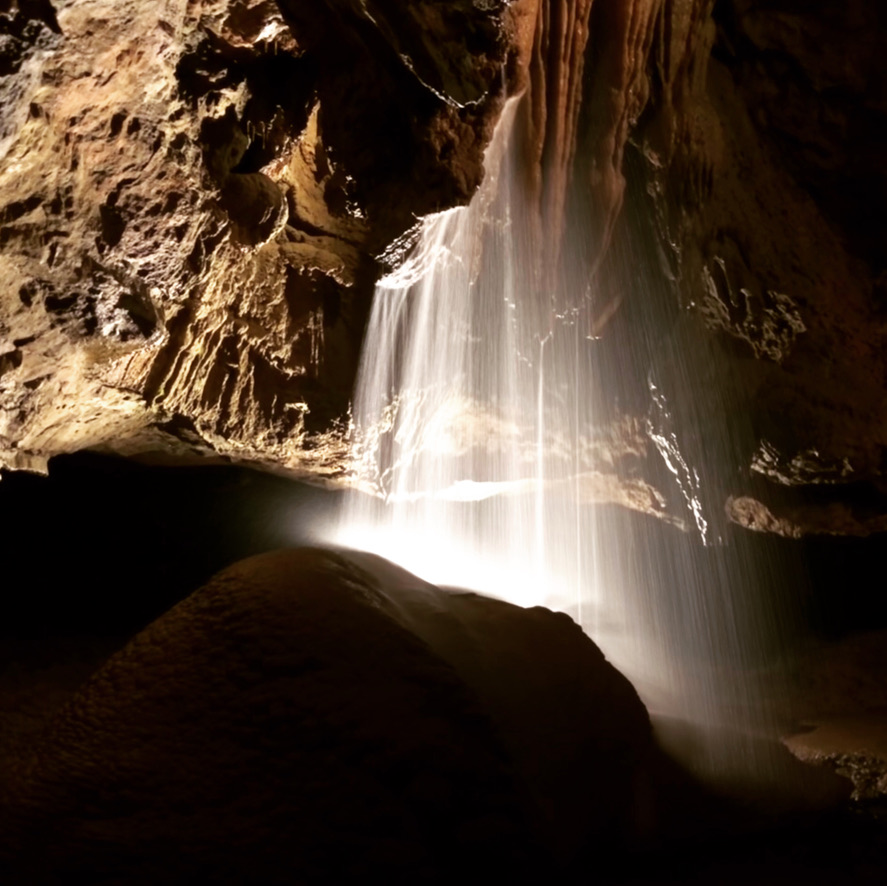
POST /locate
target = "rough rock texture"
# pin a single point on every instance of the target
(763, 145)
(191, 199)
(755, 135)
(194, 199)
(840, 699)
(312, 717)
(854, 747)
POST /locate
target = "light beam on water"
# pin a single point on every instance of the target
(472, 429)
(472, 410)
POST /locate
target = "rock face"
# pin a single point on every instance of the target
(312, 717)
(191, 199)
(764, 122)
(195, 201)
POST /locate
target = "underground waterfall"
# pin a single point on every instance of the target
(474, 435)
(625, 409)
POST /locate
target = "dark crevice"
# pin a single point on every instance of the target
(830, 130)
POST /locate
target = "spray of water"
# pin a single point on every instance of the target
(449, 411)
(472, 426)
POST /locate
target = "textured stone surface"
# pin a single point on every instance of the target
(308, 716)
(194, 199)
(840, 700)
(854, 747)
(191, 199)
(764, 120)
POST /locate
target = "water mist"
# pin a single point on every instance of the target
(474, 441)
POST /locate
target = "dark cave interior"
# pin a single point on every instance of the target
(126, 541)
(196, 201)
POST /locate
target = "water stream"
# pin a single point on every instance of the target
(475, 435)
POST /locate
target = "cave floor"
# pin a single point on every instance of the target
(845, 845)
(115, 555)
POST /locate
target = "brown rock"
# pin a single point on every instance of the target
(190, 206)
(750, 164)
(840, 704)
(854, 747)
(194, 207)
(311, 717)
(796, 521)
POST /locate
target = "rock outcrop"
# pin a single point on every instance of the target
(312, 717)
(192, 198)
(764, 122)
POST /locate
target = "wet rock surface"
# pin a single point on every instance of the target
(754, 145)
(187, 267)
(853, 746)
(841, 708)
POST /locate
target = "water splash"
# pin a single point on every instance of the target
(460, 411)
(472, 426)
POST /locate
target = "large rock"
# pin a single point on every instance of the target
(313, 717)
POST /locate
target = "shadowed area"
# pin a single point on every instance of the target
(312, 717)
(127, 541)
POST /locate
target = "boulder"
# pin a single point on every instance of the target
(314, 717)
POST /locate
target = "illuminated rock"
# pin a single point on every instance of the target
(840, 711)
(195, 203)
(191, 202)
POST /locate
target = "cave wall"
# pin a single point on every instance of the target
(745, 139)
(196, 199)
(193, 199)
(763, 147)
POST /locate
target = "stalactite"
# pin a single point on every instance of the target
(552, 115)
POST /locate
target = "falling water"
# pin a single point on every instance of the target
(450, 424)
(474, 436)
(469, 407)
